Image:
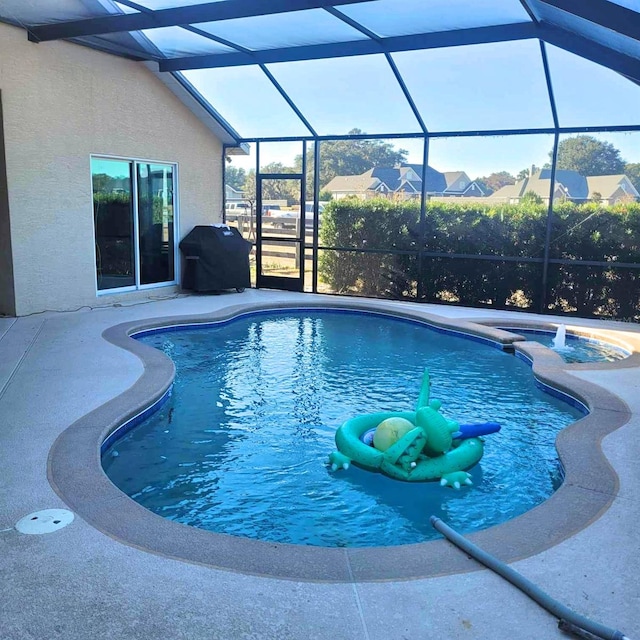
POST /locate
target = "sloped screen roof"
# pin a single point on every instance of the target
(315, 68)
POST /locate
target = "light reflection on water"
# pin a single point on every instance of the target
(241, 446)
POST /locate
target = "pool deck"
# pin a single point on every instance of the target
(82, 583)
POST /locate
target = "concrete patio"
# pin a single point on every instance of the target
(80, 583)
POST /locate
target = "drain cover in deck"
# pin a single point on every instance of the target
(45, 521)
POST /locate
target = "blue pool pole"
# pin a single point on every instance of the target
(526, 586)
(475, 429)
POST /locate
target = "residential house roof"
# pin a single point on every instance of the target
(509, 191)
(232, 192)
(409, 187)
(354, 184)
(572, 184)
(608, 185)
(401, 178)
(434, 180)
(569, 183)
(451, 177)
(389, 175)
(575, 185)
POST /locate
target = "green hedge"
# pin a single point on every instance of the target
(579, 232)
(113, 211)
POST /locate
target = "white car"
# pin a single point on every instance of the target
(235, 209)
(238, 207)
(287, 219)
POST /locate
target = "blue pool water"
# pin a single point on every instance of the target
(577, 348)
(241, 445)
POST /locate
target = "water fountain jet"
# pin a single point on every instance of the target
(560, 339)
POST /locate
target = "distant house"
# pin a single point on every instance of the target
(231, 194)
(459, 184)
(569, 185)
(405, 181)
(612, 189)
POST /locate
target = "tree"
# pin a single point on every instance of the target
(526, 173)
(288, 190)
(531, 197)
(351, 158)
(249, 189)
(101, 182)
(495, 181)
(235, 177)
(589, 156)
(632, 171)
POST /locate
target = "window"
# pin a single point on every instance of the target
(134, 221)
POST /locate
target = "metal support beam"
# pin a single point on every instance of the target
(529, 10)
(547, 75)
(206, 105)
(433, 40)
(396, 72)
(405, 90)
(607, 14)
(288, 100)
(194, 14)
(590, 50)
(422, 226)
(258, 194)
(316, 218)
(198, 32)
(352, 23)
(547, 235)
(237, 47)
(116, 49)
(451, 134)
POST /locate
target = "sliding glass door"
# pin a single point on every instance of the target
(133, 205)
(155, 222)
(113, 221)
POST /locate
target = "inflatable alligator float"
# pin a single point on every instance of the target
(415, 446)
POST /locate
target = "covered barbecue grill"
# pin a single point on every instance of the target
(216, 258)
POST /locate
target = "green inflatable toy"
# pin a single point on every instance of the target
(389, 431)
(415, 446)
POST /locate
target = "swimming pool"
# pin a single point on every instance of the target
(241, 445)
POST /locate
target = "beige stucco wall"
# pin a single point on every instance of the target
(62, 103)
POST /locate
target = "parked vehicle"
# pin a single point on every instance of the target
(277, 218)
(308, 207)
(233, 210)
(309, 213)
(238, 207)
(281, 219)
(271, 210)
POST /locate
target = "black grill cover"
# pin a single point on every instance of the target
(216, 258)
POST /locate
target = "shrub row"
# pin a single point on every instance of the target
(579, 233)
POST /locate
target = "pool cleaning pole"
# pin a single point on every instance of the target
(526, 586)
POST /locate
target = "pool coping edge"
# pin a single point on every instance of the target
(75, 472)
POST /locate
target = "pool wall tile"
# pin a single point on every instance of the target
(299, 309)
(130, 424)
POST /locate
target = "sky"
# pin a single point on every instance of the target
(478, 87)
(492, 86)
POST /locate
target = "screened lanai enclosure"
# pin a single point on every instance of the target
(474, 152)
